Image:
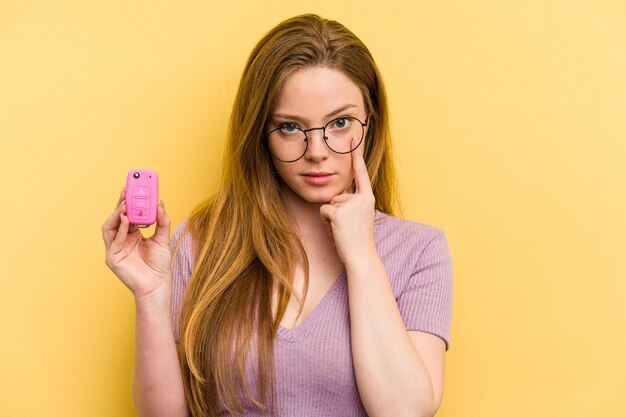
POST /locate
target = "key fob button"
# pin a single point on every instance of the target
(142, 203)
(141, 192)
(141, 213)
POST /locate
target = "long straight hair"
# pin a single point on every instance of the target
(246, 249)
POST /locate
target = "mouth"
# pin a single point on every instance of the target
(318, 178)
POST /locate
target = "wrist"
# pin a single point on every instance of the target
(157, 299)
(363, 261)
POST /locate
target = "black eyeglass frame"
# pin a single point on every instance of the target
(323, 129)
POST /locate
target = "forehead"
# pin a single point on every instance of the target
(312, 93)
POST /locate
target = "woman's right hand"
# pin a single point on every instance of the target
(143, 265)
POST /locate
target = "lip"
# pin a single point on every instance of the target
(318, 178)
(317, 174)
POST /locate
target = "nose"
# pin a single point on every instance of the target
(317, 149)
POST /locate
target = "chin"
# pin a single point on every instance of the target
(318, 200)
(315, 194)
(320, 196)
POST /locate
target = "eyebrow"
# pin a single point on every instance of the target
(299, 119)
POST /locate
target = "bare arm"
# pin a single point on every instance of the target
(157, 381)
(392, 376)
(144, 266)
(398, 373)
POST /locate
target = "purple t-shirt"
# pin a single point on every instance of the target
(313, 362)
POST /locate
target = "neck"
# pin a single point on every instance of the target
(306, 218)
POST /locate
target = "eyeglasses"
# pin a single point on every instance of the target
(289, 142)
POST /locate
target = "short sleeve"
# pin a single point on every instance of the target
(425, 303)
(181, 271)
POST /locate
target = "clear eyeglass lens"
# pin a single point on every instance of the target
(289, 142)
(340, 132)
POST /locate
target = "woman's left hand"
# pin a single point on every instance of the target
(351, 216)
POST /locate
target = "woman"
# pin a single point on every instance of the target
(293, 290)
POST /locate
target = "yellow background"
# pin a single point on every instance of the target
(509, 122)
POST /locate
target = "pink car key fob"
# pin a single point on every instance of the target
(142, 197)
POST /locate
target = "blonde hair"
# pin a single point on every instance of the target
(245, 246)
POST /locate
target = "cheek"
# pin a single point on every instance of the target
(349, 184)
(347, 174)
(285, 173)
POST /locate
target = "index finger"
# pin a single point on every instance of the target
(361, 178)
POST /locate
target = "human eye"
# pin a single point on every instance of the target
(288, 128)
(341, 123)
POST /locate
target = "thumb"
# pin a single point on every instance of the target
(163, 226)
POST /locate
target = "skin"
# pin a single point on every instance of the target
(143, 265)
(310, 98)
(336, 229)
